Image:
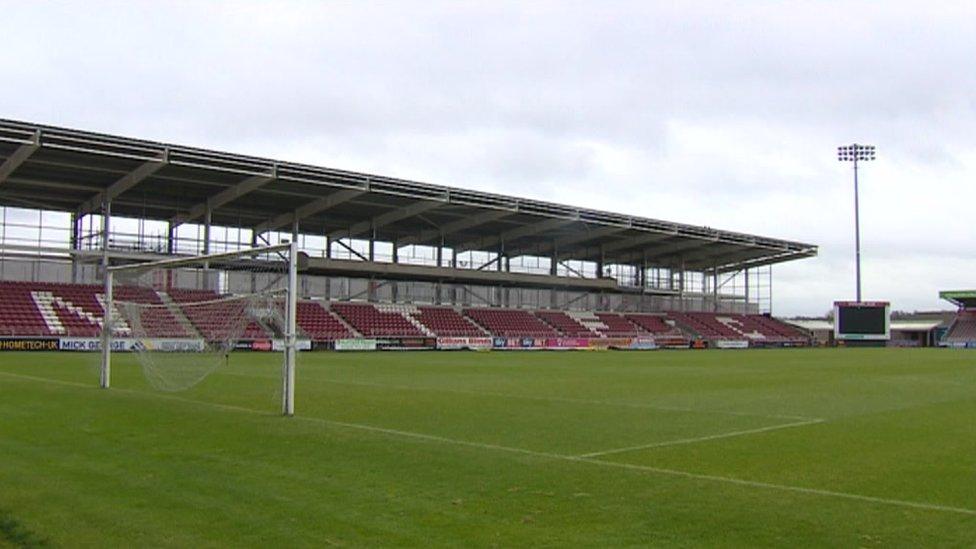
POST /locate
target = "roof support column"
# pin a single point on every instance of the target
(171, 238)
(75, 231)
(642, 279)
(254, 276)
(554, 260)
(715, 288)
(440, 252)
(106, 227)
(746, 275)
(396, 250)
(207, 218)
(372, 245)
(681, 285)
(75, 245)
(501, 255)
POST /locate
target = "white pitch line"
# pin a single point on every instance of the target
(785, 487)
(718, 436)
(50, 380)
(567, 400)
(545, 455)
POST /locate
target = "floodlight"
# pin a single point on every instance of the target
(854, 153)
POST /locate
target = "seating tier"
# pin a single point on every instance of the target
(963, 329)
(371, 322)
(445, 321)
(564, 323)
(511, 323)
(318, 323)
(52, 309)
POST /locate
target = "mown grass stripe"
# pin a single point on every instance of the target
(544, 455)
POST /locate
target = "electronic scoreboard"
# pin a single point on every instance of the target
(862, 321)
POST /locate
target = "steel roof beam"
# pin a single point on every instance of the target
(306, 210)
(734, 255)
(123, 184)
(513, 234)
(656, 254)
(18, 157)
(677, 247)
(558, 244)
(634, 242)
(433, 235)
(52, 201)
(54, 184)
(223, 197)
(385, 219)
(717, 251)
(605, 250)
(769, 260)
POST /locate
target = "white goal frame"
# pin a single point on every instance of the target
(291, 311)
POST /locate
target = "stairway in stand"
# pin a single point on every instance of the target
(179, 315)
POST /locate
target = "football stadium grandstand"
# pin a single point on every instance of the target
(178, 257)
(413, 264)
(962, 330)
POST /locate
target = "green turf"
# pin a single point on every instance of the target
(877, 448)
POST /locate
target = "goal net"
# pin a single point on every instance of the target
(183, 318)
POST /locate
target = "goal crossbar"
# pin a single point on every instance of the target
(195, 260)
(289, 251)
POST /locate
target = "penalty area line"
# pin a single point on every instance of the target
(705, 438)
(544, 455)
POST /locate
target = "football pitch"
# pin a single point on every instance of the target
(797, 447)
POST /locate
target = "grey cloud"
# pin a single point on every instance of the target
(577, 102)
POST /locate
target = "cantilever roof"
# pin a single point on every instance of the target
(960, 298)
(69, 170)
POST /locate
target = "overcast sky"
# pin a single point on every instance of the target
(711, 113)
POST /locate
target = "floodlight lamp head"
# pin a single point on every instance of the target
(855, 152)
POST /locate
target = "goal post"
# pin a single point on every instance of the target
(291, 335)
(181, 338)
(105, 373)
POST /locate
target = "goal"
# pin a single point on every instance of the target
(182, 318)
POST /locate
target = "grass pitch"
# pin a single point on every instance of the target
(838, 447)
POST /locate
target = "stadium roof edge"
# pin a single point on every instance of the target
(959, 298)
(153, 180)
